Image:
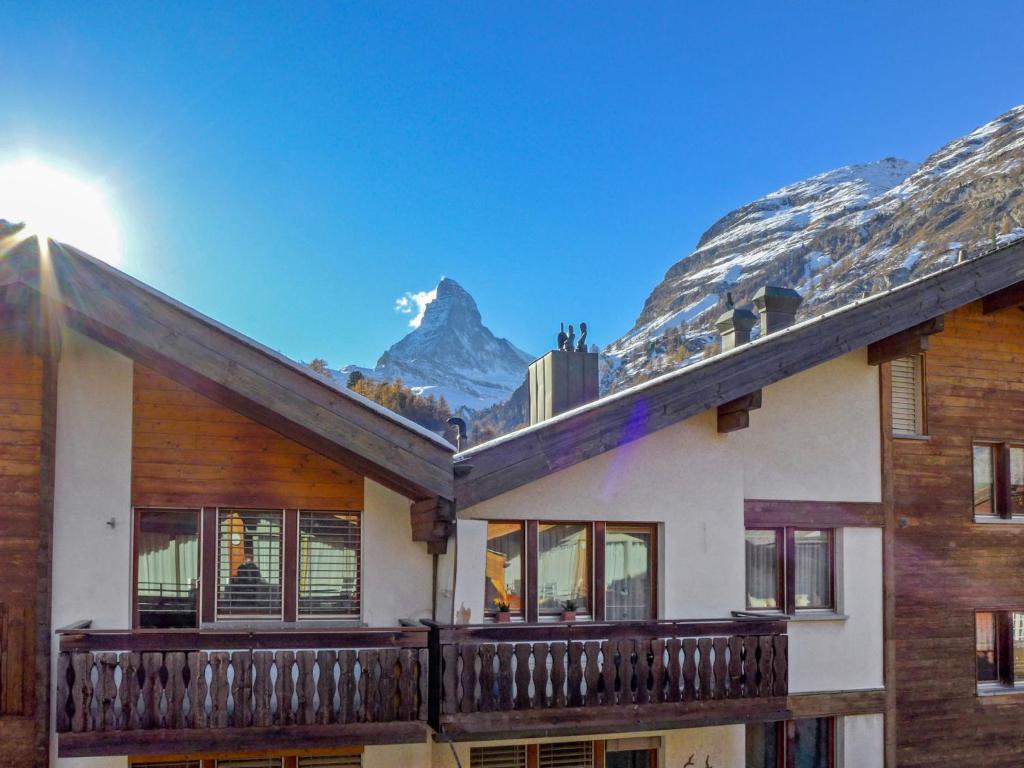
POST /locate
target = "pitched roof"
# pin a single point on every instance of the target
(531, 453)
(227, 366)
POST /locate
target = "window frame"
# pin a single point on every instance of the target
(1002, 480)
(597, 531)
(1006, 678)
(209, 563)
(136, 542)
(785, 736)
(490, 611)
(785, 566)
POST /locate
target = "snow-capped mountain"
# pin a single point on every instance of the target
(835, 237)
(452, 354)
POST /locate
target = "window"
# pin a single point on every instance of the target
(349, 760)
(166, 568)
(635, 752)
(567, 754)
(908, 396)
(609, 570)
(252, 762)
(249, 567)
(790, 569)
(999, 648)
(326, 761)
(807, 743)
(329, 548)
(174, 764)
(505, 567)
(629, 572)
(563, 567)
(998, 470)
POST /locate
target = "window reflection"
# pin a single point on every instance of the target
(504, 577)
(563, 567)
(168, 568)
(762, 569)
(984, 477)
(813, 569)
(628, 562)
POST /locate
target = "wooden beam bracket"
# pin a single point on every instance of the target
(433, 522)
(912, 341)
(735, 414)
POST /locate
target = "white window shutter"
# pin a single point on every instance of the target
(511, 756)
(571, 754)
(907, 396)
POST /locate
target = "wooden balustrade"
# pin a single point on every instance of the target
(536, 677)
(113, 686)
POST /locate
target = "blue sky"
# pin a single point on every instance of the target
(293, 169)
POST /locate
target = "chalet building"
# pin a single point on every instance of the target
(211, 557)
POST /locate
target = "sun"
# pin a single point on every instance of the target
(58, 205)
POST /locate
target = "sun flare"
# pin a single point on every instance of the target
(56, 204)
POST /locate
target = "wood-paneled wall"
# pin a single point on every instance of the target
(190, 451)
(21, 421)
(946, 565)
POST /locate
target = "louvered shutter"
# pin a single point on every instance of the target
(179, 764)
(513, 756)
(907, 396)
(571, 754)
(252, 762)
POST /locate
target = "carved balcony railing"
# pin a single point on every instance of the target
(547, 679)
(148, 690)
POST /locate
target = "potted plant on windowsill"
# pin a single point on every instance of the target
(569, 610)
(502, 615)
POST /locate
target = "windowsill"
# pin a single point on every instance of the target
(912, 437)
(996, 520)
(993, 692)
(818, 616)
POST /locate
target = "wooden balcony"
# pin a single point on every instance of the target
(186, 691)
(522, 680)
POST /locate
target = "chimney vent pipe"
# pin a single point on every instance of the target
(734, 325)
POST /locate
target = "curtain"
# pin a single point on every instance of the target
(628, 575)
(563, 568)
(762, 569)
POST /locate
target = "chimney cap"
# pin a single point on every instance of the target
(738, 319)
(775, 298)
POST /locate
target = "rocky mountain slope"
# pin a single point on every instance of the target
(452, 354)
(835, 237)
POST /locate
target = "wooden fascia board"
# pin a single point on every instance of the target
(143, 325)
(589, 432)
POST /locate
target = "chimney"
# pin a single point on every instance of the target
(734, 325)
(777, 307)
(562, 379)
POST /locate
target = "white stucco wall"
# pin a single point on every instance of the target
(847, 654)
(399, 756)
(92, 485)
(397, 571)
(863, 741)
(817, 435)
(678, 477)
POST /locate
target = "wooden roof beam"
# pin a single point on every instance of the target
(1012, 296)
(912, 341)
(735, 415)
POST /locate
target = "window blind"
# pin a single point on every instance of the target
(571, 754)
(252, 762)
(334, 761)
(907, 399)
(249, 544)
(177, 764)
(512, 756)
(329, 564)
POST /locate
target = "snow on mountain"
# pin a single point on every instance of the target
(835, 237)
(452, 354)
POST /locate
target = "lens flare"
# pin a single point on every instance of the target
(55, 204)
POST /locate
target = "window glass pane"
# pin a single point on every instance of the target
(503, 580)
(634, 758)
(1017, 480)
(762, 745)
(570, 754)
(563, 567)
(984, 464)
(813, 569)
(249, 563)
(329, 564)
(628, 563)
(985, 646)
(762, 569)
(168, 568)
(812, 743)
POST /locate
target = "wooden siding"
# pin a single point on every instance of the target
(21, 410)
(190, 451)
(946, 565)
